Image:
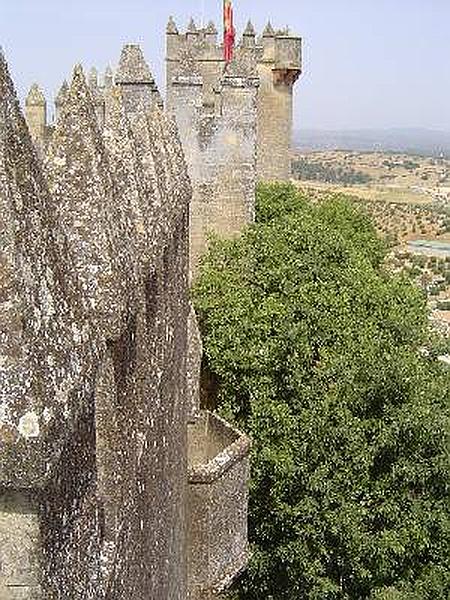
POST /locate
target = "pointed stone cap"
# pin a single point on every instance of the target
(269, 31)
(30, 305)
(211, 28)
(62, 94)
(93, 78)
(171, 26)
(192, 27)
(108, 78)
(132, 66)
(250, 30)
(35, 96)
(83, 194)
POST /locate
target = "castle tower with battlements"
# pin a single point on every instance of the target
(235, 120)
(215, 107)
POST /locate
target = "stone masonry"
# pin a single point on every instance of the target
(235, 121)
(100, 492)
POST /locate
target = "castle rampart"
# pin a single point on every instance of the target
(95, 388)
(235, 120)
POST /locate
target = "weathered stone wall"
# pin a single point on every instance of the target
(93, 328)
(215, 108)
(235, 121)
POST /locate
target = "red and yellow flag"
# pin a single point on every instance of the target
(228, 28)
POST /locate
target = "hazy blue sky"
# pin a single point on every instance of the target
(367, 63)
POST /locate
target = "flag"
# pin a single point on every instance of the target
(228, 27)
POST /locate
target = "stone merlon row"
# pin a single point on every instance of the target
(192, 28)
(101, 207)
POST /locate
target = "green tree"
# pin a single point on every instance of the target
(317, 352)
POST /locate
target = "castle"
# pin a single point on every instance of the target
(235, 121)
(114, 484)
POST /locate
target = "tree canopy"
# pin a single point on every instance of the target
(318, 353)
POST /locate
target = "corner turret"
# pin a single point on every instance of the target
(279, 67)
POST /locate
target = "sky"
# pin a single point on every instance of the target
(367, 63)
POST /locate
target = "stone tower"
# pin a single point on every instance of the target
(279, 67)
(36, 115)
(235, 120)
(215, 106)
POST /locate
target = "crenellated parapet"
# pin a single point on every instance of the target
(197, 52)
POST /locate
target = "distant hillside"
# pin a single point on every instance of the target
(411, 141)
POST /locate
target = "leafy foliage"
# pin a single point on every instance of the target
(302, 168)
(316, 349)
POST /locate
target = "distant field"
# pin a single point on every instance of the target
(376, 176)
(374, 193)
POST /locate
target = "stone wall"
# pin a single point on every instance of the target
(93, 328)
